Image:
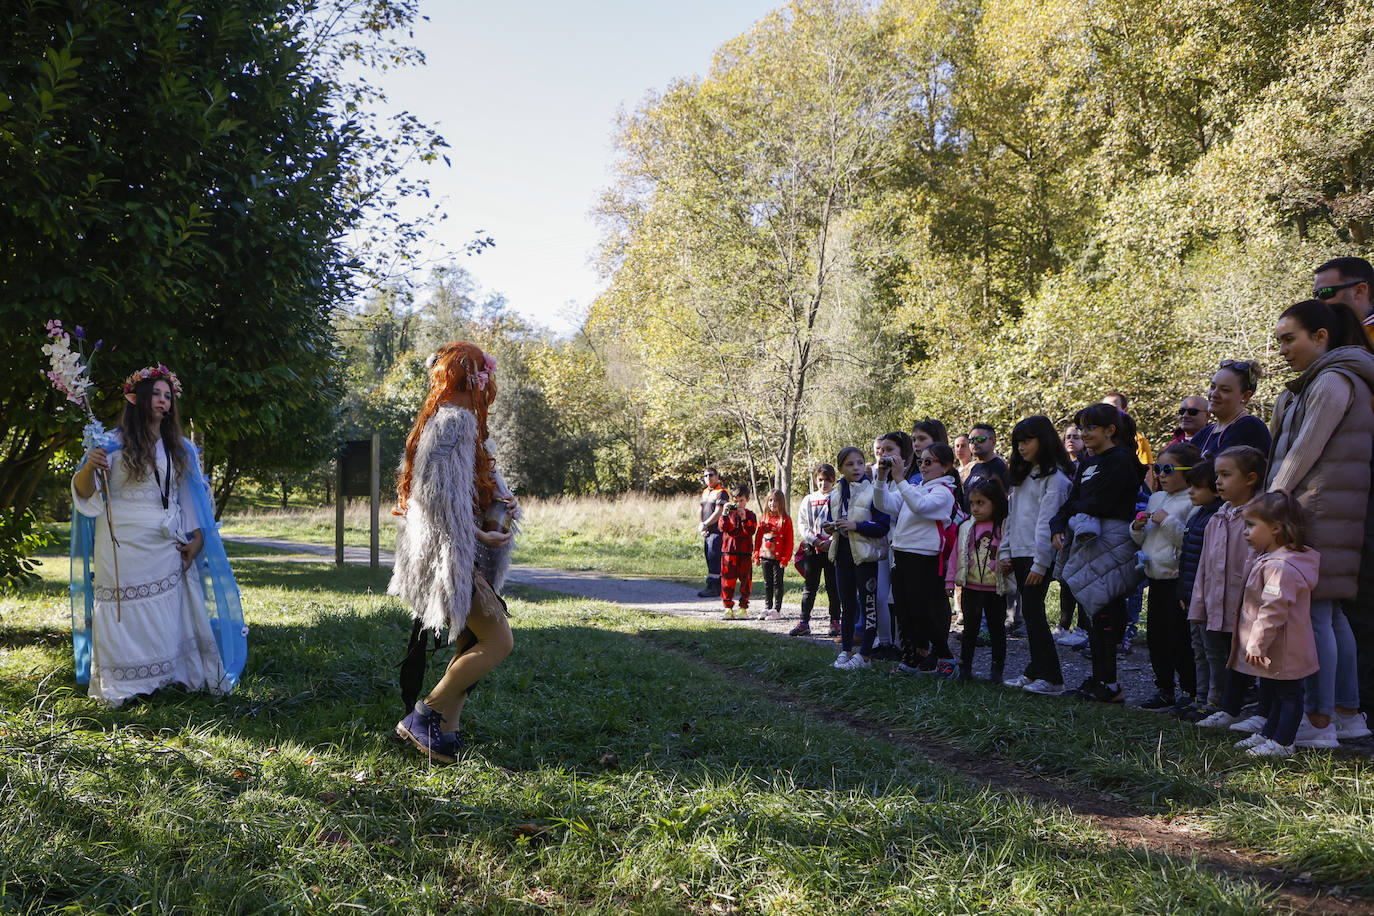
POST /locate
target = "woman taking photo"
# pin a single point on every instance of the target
(161, 607)
(1322, 430)
(1228, 401)
(448, 487)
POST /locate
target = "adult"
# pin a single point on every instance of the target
(1323, 430)
(1143, 453)
(713, 500)
(1228, 399)
(145, 523)
(1350, 281)
(986, 462)
(1192, 415)
(963, 453)
(448, 486)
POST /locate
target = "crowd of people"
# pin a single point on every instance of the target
(1249, 545)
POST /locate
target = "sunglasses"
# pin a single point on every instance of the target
(1329, 292)
(1190, 411)
(979, 439)
(927, 462)
(1164, 470)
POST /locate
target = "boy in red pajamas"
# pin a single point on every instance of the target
(737, 527)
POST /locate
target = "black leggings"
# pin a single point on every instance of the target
(1067, 605)
(992, 607)
(1044, 657)
(814, 566)
(1280, 702)
(858, 583)
(1108, 625)
(772, 584)
(1170, 641)
(921, 606)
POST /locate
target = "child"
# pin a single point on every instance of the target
(737, 527)
(885, 449)
(1159, 531)
(974, 567)
(1202, 493)
(1068, 635)
(1220, 582)
(921, 510)
(772, 549)
(859, 528)
(1274, 639)
(1040, 470)
(812, 557)
(1098, 559)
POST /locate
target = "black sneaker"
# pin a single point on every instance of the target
(947, 669)
(1099, 692)
(1160, 702)
(709, 593)
(887, 653)
(1194, 712)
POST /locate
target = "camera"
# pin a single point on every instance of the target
(884, 463)
(828, 527)
(731, 506)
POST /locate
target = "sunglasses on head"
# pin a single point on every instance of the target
(1190, 411)
(979, 439)
(1329, 292)
(1164, 470)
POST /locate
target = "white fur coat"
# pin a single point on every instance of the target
(436, 540)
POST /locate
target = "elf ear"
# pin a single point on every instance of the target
(131, 398)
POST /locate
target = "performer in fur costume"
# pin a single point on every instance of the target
(448, 568)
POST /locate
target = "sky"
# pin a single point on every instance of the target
(526, 94)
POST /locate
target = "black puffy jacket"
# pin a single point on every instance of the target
(1192, 547)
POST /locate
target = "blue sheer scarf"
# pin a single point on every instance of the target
(222, 603)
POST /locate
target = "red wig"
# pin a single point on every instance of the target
(463, 375)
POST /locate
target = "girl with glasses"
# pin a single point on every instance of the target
(1159, 532)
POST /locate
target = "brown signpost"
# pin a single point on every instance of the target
(359, 468)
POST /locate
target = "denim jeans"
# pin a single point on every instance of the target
(1211, 650)
(1337, 682)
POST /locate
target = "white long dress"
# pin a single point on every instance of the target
(155, 632)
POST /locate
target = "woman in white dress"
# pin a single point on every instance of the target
(148, 623)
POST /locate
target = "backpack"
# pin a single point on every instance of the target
(949, 535)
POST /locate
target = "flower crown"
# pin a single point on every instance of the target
(153, 372)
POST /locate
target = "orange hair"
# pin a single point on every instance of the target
(461, 374)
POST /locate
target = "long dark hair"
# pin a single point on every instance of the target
(140, 445)
(991, 488)
(1049, 456)
(1337, 319)
(1107, 415)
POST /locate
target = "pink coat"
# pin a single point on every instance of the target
(1220, 582)
(1276, 617)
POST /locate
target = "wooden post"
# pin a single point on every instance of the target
(376, 496)
(339, 516)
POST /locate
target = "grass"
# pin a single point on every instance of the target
(629, 535)
(579, 796)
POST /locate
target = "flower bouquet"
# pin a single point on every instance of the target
(69, 373)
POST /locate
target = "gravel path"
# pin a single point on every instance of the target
(682, 601)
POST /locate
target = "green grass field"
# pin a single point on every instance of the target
(624, 762)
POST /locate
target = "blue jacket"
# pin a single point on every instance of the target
(1192, 547)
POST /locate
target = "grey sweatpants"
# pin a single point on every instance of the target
(1211, 650)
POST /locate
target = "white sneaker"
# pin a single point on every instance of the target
(1219, 719)
(1271, 748)
(1311, 736)
(1044, 688)
(1073, 639)
(1355, 725)
(1254, 740)
(772, 615)
(1019, 681)
(1251, 725)
(842, 660)
(857, 662)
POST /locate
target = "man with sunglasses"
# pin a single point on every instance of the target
(1351, 281)
(986, 462)
(1192, 415)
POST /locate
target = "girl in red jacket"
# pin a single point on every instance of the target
(772, 550)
